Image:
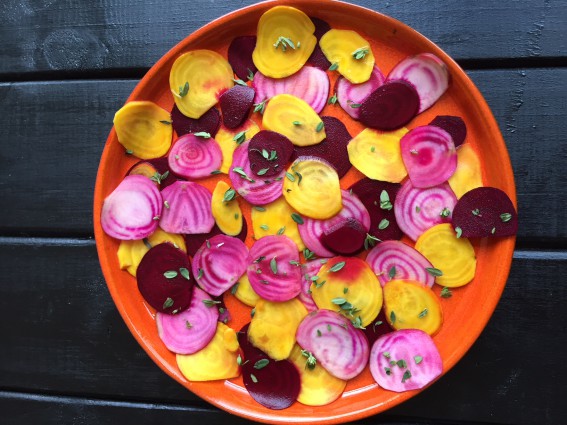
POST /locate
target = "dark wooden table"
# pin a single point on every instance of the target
(66, 66)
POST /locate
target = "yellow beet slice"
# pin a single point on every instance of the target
(353, 289)
(273, 327)
(312, 187)
(140, 129)
(144, 169)
(453, 256)
(130, 253)
(197, 79)
(318, 387)
(245, 293)
(285, 41)
(411, 305)
(270, 219)
(295, 119)
(378, 155)
(468, 175)
(229, 140)
(350, 52)
(226, 210)
(218, 360)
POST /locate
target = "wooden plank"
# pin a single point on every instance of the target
(47, 35)
(61, 127)
(75, 343)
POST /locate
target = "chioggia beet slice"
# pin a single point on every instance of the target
(195, 241)
(188, 210)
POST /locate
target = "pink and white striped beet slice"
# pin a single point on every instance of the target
(194, 157)
(349, 94)
(189, 208)
(309, 270)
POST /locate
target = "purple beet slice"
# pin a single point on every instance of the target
(318, 59)
(240, 56)
(379, 326)
(333, 148)
(161, 279)
(269, 153)
(195, 241)
(383, 223)
(250, 352)
(321, 27)
(453, 125)
(485, 211)
(162, 166)
(235, 105)
(345, 238)
(209, 122)
(390, 106)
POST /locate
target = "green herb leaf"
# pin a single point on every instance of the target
(296, 122)
(166, 122)
(476, 212)
(260, 364)
(260, 107)
(239, 82)
(433, 271)
(423, 313)
(234, 288)
(184, 272)
(188, 324)
(290, 176)
(370, 241)
(378, 323)
(337, 267)
(240, 137)
(311, 360)
(417, 359)
(297, 218)
(214, 172)
(200, 274)
(333, 100)
(308, 255)
(264, 227)
(253, 378)
(239, 360)
(334, 66)
(166, 204)
(493, 231)
(345, 290)
(402, 363)
(388, 371)
(372, 148)
(129, 152)
(250, 75)
(446, 293)
(147, 242)
(385, 203)
(360, 53)
(392, 272)
(261, 209)
(168, 303)
(183, 90)
(284, 43)
(445, 212)
(417, 209)
(319, 332)
(203, 134)
(393, 317)
(407, 375)
(242, 173)
(210, 303)
(505, 217)
(262, 171)
(294, 263)
(281, 230)
(458, 231)
(253, 312)
(259, 259)
(274, 265)
(320, 127)
(229, 195)
(384, 223)
(339, 301)
(386, 354)
(170, 274)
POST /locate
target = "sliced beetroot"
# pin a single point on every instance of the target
(351, 96)
(372, 194)
(269, 153)
(321, 27)
(379, 326)
(194, 241)
(345, 238)
(192, 329)
(405, 360)
(333, 148)
(162, 166)
(249, 351)
(485, 211)
(318, 59)
(209, 122)
(194, 157)
(390, 106)
(429, 155)
(189, 208)
(235, 105)
(453, 125)
(308, 270)
(161, 279)
(240, 56)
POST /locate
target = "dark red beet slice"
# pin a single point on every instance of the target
(390, 106)
(485, 211)
(453, 125)
(165, 294)
(195, 241)
(235, 105)
(318, 59)
(240, 56)
(260, 155)
(251, 353)
(321, 27)
(333, 149)
(209, 122)
(162, 165)
(368, 191)
(345, 238)
(379, 326)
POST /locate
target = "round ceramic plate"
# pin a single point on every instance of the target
(466, 313)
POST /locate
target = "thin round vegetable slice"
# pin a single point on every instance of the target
(278, 218)
(273, 270)
(269, 153)
(339, 347)
(485, 211)
(194, 157)
(313, 230)
(396, 260)
(429, 155)
(196, 240)
(209, 122)
(468, 175)
(351, 96)
(321, 27)
(132, 210)
(192, 329)
(162, 279)
(309, 270)
(257, 191)
(235, 105)
(379, 326)
(284, 42)
(244, 291)
(312, 187)
(417, 360)
(189, 209)
(427, 74)
(390, 106)
(144, 129)
(225, 209)
(229, 140)
(455, 126)
(144, 168)
(309, 83)
(197, 79)
(420, 209)
(219, 263)
(410, 305)
(318, 59)
(165, 177)
(453, 258)
(345, 238)
(251, 353)
(240, 56)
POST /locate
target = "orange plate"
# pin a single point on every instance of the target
(466, 313)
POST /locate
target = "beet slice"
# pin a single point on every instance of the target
(166, 294)
(195, 241)
(209, 122)
(235, 105)
(390, 106)
(250, 352)
(369, 192)
(453, 125)
(345, 238)
(162, 166)
(333, 148)
(240, 56)
(485, 211)
(263, 162)
(379, 326)
(321, 27)
(318, 59)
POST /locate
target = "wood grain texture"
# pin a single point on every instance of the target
(85, 36)
(75, 344)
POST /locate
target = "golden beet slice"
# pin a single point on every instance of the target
(144, 129)
(284, 41)
(244, 291)
(275, 218)
(468, 175)
(197, 79)
(226, 210)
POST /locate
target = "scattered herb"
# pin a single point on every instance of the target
(385, 203)
(156, 218)
(260, 258)
(281, 230)
(260, 107)
(333, 100)
(250, 75)
(274, 265)
(505, 217)
(476, 212)
(319, 332)
(294, 263)
(284, 43)
(354, 105)
(239, 360)
(392, 272)
(360, 53)
(168, 303)
(184, 272)
(320, 127)
(147, 242)
(210, 303)
(357, 323)
(188, 324)
(260, 364)
(402, 363)
(393, 317)
(417, 359)
(423, 313)
(242, 173)
(170, 274)
(433, 271)
(388, 371)
(458, 231)
(384, 223)
(261, 209)
(413, 151)
(166, 204)
(240, 138)
(234, 288)
(236, 215)
(229, 195)
(253, 312)
(334, 66)
(296, 122)
(290, 176)
(262, 171)
(200, 274)
(297, 218)
(417, 209)
(345, 290)
(158, 178)
(214, 172)
(311, 360)
(337, 267)
(129, 152)
(239, 82)
(254, 379)
(264, 227)
(183, 90)
(372, 149)
(378, 323)
(166, 122)
(203, 134)
(208, 244)
(308, 255)
(386, 354)
(446, 293)
(370, 241)
(407, 375)
(445, 212)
